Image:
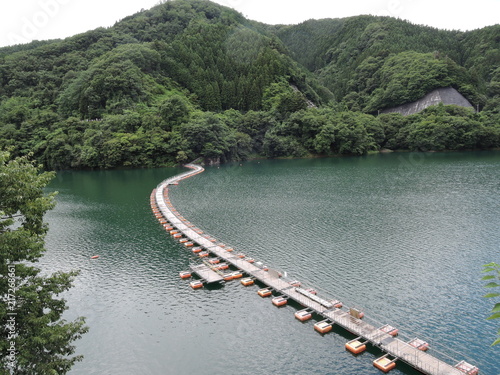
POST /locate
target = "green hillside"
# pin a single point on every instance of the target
(191, 78)
(377, 62)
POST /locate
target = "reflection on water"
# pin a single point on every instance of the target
(401, 236)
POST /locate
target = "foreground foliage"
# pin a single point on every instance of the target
(34, 337)
(494, 274)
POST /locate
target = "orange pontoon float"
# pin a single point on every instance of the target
(336, 303)
(419, 344)
(280, 301)
(323, 327)
(390, 330)
(264, 292)
(196, 284)
(385, 364)
(356, 346)
(467, 368)
(303, 315)
(247, 281)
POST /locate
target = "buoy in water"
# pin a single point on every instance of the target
(94, 257)
(323, 326)
(303, 315)
(356, 346)
(279, 301)
(248, 281)
(196, 284)
(264, 292)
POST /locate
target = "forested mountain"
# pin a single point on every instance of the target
(191, 78)
(376, 62)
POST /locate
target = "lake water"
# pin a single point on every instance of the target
(403, 236)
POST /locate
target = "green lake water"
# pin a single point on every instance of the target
(403, 236)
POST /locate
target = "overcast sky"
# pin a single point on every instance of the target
(24, 20)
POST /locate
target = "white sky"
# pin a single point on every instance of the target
(24, 20)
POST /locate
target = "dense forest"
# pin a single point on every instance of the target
(190, 78)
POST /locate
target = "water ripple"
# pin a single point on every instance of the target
(405, 244)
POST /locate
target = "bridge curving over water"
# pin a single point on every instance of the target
(413, 352)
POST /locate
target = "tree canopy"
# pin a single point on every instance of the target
(139, 93)
(34, 335)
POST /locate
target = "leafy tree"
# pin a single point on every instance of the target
(305, 125)
(348, 133)
(208, 136)
(280, 146)
(494, 274)
(34, 336)
(325, 139)
(352, 138)
(173, 111)
(256, 124)
(445, 128)
(283, 98)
